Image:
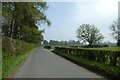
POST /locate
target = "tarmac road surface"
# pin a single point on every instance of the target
(45, 64)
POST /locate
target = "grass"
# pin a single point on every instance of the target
(0, 65)
(106, 48)
(0, 58)
(13, 54)
(100, 48)
(51, 48)
(11, 63)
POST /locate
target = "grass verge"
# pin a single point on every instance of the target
(12, 63)
(14, 52)
(0, 65)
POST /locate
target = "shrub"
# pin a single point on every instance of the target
(7, 44)
(13, 52)
(110, 71)
(48, 47)
(105, 56)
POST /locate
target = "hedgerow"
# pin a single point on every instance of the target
(102, 61)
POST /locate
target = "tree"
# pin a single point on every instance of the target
(45, 42)
(21, 20)
(53, 42)
(72, 42)
(88, 33)
(68, 43)
(7, 18)
(115, 27)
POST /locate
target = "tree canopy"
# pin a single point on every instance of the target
(67, 43)
(89, 33)
(20, 20)
(115, 27)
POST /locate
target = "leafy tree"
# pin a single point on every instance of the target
(7, 18)
(67, 43)
(72, 42)
(115, 27)
(21, 20)
(53, 42)
(45, 42)
(88, 33)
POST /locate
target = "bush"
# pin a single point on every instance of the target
(110, 71)
(105, 56)
(7, 45)
(13, 53)
(48, 47)
(96, 46)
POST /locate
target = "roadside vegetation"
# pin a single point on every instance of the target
(93, 55)
(89, 33)
(107, 71)
(14, 53)
(104, 61)
(20, 32)
(106, 48)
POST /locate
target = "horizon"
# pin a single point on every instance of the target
(67, 16)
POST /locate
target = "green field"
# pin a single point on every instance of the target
(100, 48)
(106, 48)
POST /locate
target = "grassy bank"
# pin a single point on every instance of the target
(14, 53)
(0, 58)
(0, 64)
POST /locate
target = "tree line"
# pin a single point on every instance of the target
(20, 20)
(76, 43)
(55, 42)
(87, 33)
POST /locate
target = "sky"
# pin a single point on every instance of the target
(67, 15)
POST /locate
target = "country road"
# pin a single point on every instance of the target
(45, 64)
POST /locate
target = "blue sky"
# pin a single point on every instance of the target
(67, 16)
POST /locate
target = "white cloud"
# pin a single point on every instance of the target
(100, 13)
(83, 1)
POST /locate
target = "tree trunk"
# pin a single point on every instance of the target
(90, 44)
(118, 43)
